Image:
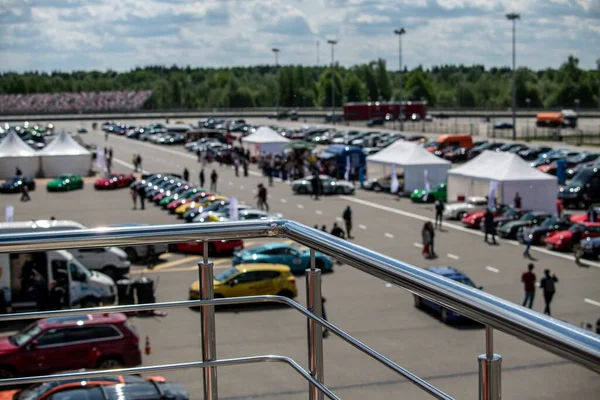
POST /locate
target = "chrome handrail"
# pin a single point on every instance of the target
(563, 339)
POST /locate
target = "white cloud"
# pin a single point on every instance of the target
(121, 34)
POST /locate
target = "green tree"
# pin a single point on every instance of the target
(325, 89)
(383, 81)
(354, 88)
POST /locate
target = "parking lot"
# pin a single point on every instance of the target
(380, 315)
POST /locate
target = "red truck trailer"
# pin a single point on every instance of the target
(376, 109)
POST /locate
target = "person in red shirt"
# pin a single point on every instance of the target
(528, 279)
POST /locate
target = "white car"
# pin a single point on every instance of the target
(249, 215)
(459, 210)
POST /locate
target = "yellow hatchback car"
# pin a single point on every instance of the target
(182, 209)
(251, 280)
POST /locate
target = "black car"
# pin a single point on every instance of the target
(503, 125)
(15, 184)
(510, 229)
(475, 151)
(549, 225)
(583, 190)
(376, 122)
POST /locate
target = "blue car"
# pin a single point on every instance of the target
(282, 253)
(447, 316)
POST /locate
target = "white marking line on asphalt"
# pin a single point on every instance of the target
(319, 212)
(453, 256)
(463, 229)
(492, 269)
(389, 285)
(592, 302)
(283, 200)
(300, 206)
(361, 226)
(388, 235)
(338, 219)
(126, 164)
(419, 245)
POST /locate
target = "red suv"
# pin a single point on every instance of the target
(66, 343)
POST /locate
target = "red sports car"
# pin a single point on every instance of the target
(579, 218)
(172, 206)
(473, 219)
(114, 181)
(561, 240)
(214, 247)
(160, 195)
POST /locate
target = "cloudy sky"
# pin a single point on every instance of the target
(122, 34)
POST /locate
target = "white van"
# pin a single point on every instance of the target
(85, 288)
(112, 261)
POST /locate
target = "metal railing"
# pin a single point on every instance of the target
(560, 338)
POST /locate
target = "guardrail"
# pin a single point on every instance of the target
(565, 340)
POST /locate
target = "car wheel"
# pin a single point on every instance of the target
(7, 372)
(302, 190)
(429, 198)
(131, 253)
(286, 293)
(444, 315)
(90, 303)
(339, 190)
(461, 215)
(377, 187)
(111, 272)
(418, 302)
(110, 363)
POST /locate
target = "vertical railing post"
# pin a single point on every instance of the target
(490, 368)
(315, 331)
(207, 316)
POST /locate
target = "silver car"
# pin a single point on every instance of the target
(329, 185)
(249, 215)
(460, 209)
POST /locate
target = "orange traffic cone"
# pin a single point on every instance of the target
(147, 348)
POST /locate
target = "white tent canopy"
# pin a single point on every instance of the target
(64, 155)
(265, 141)
(15, 153)
(513, 174)
(414, 160)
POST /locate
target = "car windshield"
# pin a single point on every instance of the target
(465, 281)
(24, 336)
(63, 177)
(528, 217)
(549, 222)
(509, 213)
(579, 227)
(223, 276)
(581, 178)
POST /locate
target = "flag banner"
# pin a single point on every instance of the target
(233, 209)
(347, 173)
(395, 185)
(492, 195)
(9, 213)
(427, 187)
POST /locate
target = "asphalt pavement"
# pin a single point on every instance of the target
(376, 313)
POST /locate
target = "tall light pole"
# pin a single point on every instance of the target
(332, 43)
(598, 64)
(276, 52)
(514, 17)
(400, 32)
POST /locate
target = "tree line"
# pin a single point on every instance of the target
(308, 86)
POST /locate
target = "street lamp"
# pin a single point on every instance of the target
(400, 32)
(275, 50)
(514, 17)
(332, 43)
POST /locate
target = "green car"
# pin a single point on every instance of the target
(65, 182)
(435, 194)
(185, 195)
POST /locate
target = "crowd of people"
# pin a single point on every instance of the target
(114, 100)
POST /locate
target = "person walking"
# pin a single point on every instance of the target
(186, 174)
(439, 213)
(348, 221)
(199, 154)
(139, 162)
(548, 286)
(323, 228)
(316, 186)
(490, 228)
(592, 214)
(213, 180)
(106, 136)
(517, 201)
(236, 166)
(426, 240)
(324, 316)
(559, 207)
(110, 152)
(262, 197)
(576, 243)
(527, 231)
(528, 279)
(142, 194)
(134, 162)
(56, 296)
(201, 178)
(25, 193)
(134, 195)
(270, 171)
(245, 166)
(431, 239)
(337, 231)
